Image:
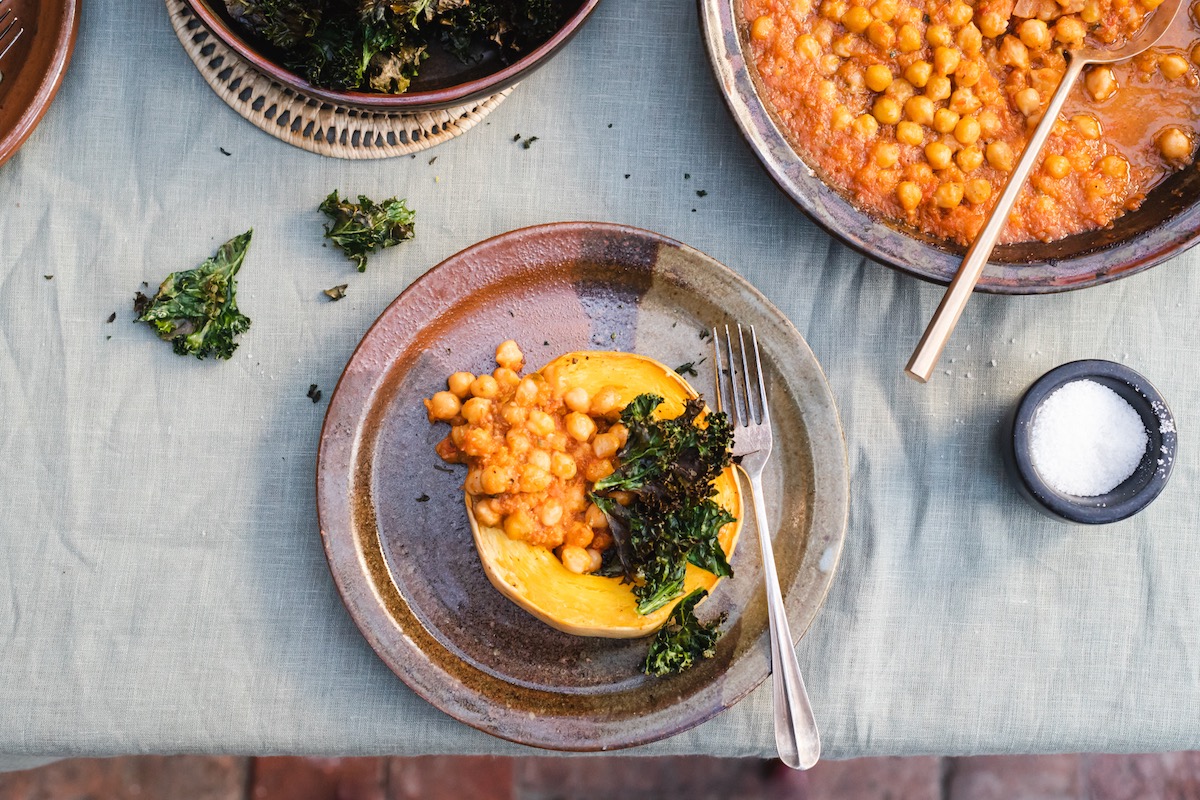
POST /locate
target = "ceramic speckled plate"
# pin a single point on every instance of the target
(392, 516)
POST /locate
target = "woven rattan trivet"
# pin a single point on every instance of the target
(311, 124)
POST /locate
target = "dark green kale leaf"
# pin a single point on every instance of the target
(283, 23)
(340, 53)
(196, 310)
(668, 467)
(699, 525)
(358, 229)
(379, 44)
(652, 550)
(683, 639)
(537, 19)
(669, 463)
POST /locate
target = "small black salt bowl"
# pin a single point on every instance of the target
(1139, 489)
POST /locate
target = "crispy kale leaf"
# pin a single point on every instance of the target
(660, 545)
(683, 639)
(669, 463)
(283, 23)
(379, 44)
(392, 72)
(346, 52)
(668, 466)
(358, 229)
(196, 310)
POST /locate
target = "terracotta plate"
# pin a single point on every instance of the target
(34, 67)
(1166, 224)
(392, 516)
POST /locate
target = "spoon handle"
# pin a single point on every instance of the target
(929, 349)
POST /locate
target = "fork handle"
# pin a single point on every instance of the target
(796, 735)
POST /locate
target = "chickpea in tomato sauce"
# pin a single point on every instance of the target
(533, 447)
(917, 110)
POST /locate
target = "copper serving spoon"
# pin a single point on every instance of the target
(929, 349)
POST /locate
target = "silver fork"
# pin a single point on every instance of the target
(10, 30)
(796, 735)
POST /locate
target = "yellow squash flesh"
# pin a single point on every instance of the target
(534, 578)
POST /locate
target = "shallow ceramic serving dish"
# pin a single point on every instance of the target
(1166, 224)
(34, 68)
(1139, 489)
(396, 533)
(444, 80)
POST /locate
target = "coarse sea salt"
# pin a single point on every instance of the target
(1086, 439)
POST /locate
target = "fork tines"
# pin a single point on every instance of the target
(749, 406)
(9, 22)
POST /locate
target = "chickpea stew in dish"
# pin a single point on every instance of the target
(600, 489)
(916, 110)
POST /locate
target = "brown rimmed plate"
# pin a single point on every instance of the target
(392, 517)
(443, 81)
(33, 69)
(1166, 224)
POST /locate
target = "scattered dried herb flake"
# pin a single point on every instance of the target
(336, 293)
(314, 393)
(111, 317)
(687, 369)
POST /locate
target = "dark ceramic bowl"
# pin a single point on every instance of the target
(1166, 224)
(444, 80)
(1140, 488)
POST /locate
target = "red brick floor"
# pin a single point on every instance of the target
(1172, 776)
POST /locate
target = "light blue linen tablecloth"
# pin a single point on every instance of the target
(162, 582)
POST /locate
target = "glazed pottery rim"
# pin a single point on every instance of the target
(837, 521)
(466, 91)
(1083, 510)
(47, 89)
(891, 245)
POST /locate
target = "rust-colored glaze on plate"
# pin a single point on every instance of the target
(444, 81)
(396, 533)
(1165, 225)
(34, 68)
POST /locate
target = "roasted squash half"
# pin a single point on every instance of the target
(592, 605)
